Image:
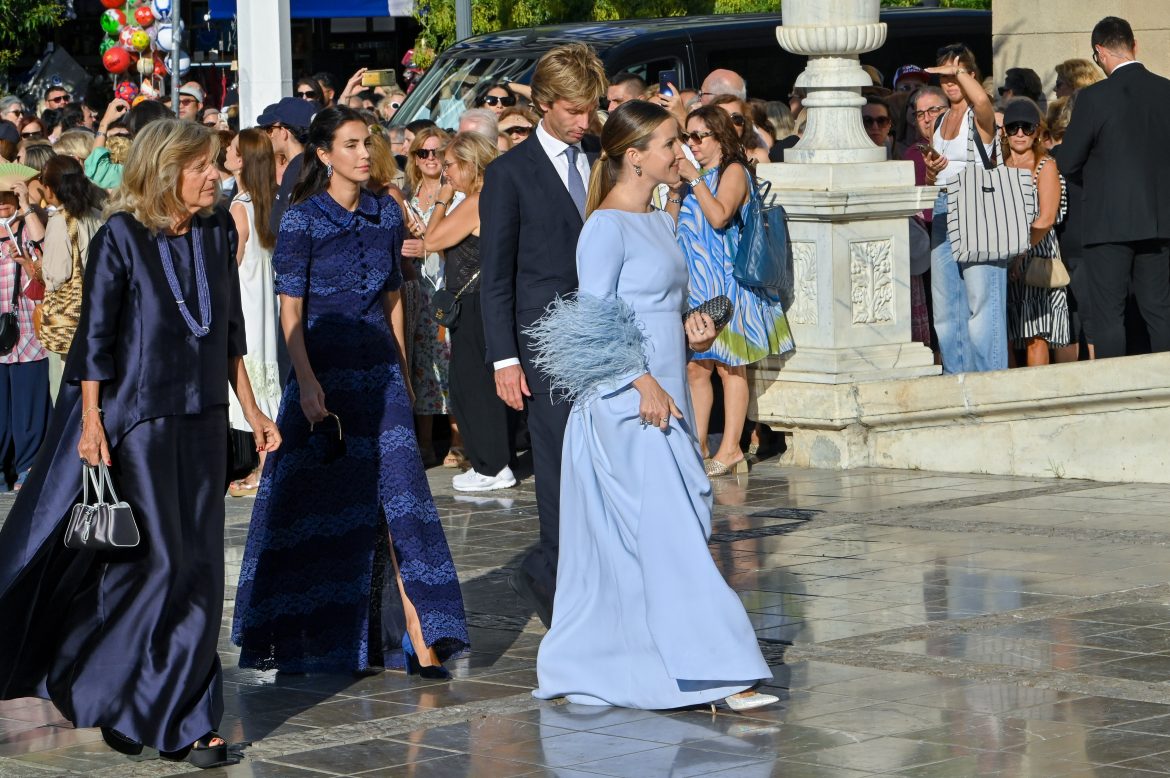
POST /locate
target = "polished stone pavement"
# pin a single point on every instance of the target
(918, 624)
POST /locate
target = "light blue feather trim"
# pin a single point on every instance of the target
(589, 345)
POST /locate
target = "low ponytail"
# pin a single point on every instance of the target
(601, 180)
(629, 126)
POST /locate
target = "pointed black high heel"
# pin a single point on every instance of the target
(120, 743)
(413, 667)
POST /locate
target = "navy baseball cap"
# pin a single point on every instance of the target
(291, 112)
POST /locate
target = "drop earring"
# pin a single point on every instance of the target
(638, 170)
(329, 170)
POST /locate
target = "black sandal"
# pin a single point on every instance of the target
(202, 754)
(120, 743)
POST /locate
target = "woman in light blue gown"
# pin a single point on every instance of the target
(642, 617)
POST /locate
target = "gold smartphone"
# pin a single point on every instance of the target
(379, 78)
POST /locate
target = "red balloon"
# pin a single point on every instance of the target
(160, 66)
(144, 16)
(117, 60)
(113, 3)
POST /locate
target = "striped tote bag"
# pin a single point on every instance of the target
(990, 208)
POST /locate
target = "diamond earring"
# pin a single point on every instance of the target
(329, 170)
(638, 170)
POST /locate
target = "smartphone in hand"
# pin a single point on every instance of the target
(665, 79)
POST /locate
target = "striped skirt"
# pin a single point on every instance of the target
(1033, 312)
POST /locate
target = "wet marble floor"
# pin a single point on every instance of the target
(918, 624)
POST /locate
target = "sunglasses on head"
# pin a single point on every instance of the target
(875, 121)
(307, 95)
(425, 153)
(497, 100)
(519, 129)
(737, 119)
(1028, 128)
(952, 50)
(694, 137)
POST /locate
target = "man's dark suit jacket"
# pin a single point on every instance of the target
(529, 227)
(1118, 146)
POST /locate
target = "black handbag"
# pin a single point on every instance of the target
(100, 525)
(9, 323)
(445, 307)
(718, 308)
(334, 443)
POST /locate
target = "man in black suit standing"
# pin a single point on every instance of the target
(1116, 146)
(532, 209)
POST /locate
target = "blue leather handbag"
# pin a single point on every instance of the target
(763, 259)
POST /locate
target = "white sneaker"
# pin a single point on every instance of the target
(471, 481)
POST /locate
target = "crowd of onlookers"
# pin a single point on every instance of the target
(975, 317)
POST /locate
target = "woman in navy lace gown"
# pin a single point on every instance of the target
(346, 567)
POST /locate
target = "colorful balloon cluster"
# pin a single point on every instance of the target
(139, 36)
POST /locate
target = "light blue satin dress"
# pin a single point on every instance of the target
(642, 617)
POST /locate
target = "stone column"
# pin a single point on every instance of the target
(848, 212)
(265, 56)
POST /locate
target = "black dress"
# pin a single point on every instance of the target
(128, 639)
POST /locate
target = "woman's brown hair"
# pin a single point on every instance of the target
(259, 179)
(472, 151)
(966, 58)
(383, 168)
(629, 127)
(720, 126)
(747, 133)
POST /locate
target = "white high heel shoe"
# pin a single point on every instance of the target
(752, 701)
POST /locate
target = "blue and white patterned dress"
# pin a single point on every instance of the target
(758, 326)
(316, 591)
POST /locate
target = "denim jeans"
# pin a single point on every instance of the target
(970, 306)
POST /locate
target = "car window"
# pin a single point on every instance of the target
(768, 70)
(451, 86)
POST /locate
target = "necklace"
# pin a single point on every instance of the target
(197, 329)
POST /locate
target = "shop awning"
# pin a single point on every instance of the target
(326, 9)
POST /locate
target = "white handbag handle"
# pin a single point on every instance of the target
(99, 476)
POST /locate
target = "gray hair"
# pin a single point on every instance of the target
(480, 120)
(7, 103)
(726, 82)
(922, 91)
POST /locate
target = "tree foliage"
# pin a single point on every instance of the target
(21, 21)
(437, 17)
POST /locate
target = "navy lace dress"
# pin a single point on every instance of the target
(316, 591)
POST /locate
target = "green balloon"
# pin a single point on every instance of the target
(106, 45)
(111, 23)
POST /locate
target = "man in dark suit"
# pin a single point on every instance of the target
(1116, 146)
(532, 208)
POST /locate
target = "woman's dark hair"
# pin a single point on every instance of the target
(259, 178)
(144, 113)
(758, 110)
(965, 55)
(420, 124)
(225, 139)
(50, 119)
(66, 178)
(479, 98)
(321, 133)
(318, 95)
(726, 134)
(72, 116)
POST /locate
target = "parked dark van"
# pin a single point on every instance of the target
(692, 45)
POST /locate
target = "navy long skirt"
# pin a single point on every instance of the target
(122, 639)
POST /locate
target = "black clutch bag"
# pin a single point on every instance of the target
(100, 525)
(334, 442)
(718, 308)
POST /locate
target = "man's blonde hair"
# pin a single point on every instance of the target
(150, 190)
(571, 72)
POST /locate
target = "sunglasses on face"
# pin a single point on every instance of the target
(425, 153)
(58, 99)
(497, 100)
(694, 137)
(268, 130)
(519, 129)
(737, 119)
(211, 124)
(875, 121)
(187, 101)
(33, 134)
(931, 112)
(1017, 127)
(307, 95)
(17, 111)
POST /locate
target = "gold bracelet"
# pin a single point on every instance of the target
(87, 411)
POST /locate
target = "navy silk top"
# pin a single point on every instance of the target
(133, 338)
